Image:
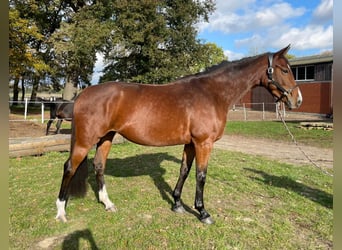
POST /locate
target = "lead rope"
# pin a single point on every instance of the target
(300, 149)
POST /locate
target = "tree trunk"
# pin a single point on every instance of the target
(35, 86)
(15, 91)
(70, 90)
(22, 89)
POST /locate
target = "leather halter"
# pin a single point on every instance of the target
(270, 70)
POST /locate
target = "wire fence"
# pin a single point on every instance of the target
(256, 111)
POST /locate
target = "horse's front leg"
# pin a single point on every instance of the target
(188, 157)
(100, 159)
(202, 157)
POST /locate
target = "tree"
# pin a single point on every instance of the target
(46, 16)
(211, 55)
(143, 41)
(76, 42)
(23, 58)
(59, 23)
(155, 40)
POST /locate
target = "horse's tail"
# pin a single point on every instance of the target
(78, 183)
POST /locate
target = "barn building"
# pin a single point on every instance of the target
(313, 74)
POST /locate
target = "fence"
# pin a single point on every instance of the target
(244, 111)
(257, 111)
(33, 104)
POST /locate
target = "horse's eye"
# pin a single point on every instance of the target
(285, 71)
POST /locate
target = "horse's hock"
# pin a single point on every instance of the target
(24, 146)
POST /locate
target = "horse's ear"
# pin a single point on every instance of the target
(284, 50)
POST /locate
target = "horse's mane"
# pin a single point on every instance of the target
(222, 66)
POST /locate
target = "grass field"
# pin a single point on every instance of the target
(256, 204)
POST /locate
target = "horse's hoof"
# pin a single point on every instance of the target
(207, 221)
(61, 218)
(178, 209)
(112, 209)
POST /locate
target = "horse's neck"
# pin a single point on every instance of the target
(234, 81)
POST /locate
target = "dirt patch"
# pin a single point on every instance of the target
(286, 152)
(25, 128)
(18, 127)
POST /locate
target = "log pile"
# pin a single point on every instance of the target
(317, 125)
(24, 146)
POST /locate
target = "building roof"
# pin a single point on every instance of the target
(324, 58)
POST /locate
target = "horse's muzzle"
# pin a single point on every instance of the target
(294, 102)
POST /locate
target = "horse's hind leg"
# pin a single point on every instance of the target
(102, 150)
(48, 126)
(58, 125)
(73, 181)
(188, 157)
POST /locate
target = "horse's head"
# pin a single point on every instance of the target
(280, 81)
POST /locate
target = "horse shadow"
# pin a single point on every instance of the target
(141, 165)
(72, 240)
(321, 197)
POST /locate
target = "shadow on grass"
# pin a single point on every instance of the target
(323, 198)
(72, 241)
(141, 165)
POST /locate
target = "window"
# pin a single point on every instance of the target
(304, 73)
(318, 72)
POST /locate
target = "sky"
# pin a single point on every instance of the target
(248, 27)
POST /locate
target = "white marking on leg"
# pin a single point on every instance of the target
(103, 197)
(61, 215)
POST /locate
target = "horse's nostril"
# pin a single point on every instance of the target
(299, 102)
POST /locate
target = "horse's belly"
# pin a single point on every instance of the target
(156, 137)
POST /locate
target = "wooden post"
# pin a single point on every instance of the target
(25, 114)
(42, 112)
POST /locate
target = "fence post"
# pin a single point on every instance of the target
(244, 111)
(263, 111)
(42, 112)
(25, 114)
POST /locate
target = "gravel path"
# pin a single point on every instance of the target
(281, 151)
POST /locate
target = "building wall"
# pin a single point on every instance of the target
(317, 98)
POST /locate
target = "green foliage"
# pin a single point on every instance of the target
(23, 57)
(76, 42)
(156, 40)
(211, 55)
(144, 41)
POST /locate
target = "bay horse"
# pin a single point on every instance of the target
(191, 111)
(60, 111)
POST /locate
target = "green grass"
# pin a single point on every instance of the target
(275, 130)
(256, 204)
